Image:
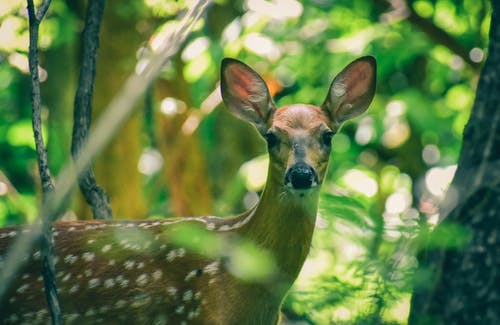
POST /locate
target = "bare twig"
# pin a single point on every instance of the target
(46, 239)
(36, 101)
(94, 195)
(117, 112)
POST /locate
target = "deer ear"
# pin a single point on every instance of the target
(245, 93)
(352, 90)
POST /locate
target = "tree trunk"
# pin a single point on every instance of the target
(463, 283)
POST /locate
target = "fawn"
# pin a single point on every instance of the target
(117, 271)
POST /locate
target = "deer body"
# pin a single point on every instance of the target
(119, 271)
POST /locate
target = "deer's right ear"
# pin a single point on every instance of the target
(245, 93)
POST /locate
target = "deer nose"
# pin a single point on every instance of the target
(301, 177)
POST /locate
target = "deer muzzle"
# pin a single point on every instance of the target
(301, 176)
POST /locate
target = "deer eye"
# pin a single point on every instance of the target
(326, 137)
(272, 139)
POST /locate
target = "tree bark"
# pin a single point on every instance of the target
(46, 239)
(94, 195)
(463, 283)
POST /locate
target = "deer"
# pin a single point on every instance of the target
(115, 271)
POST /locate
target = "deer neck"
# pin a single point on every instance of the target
(283, 223)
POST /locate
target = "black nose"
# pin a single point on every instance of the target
(301, 177)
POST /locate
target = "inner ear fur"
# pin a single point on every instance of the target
(245, 93)
(352, 90)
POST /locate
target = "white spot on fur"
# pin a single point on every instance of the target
(142, 280)
(171, 256)
(106, 248)
(190, 275)
(157, 275)
(122, 281)
(129, 264)
(120, 303)
(66, 277)
(187, 296)
(211, 268)
(171, 291)
(23, 288)
(109, 283)
(88, 256)
(36, 255)
(140, 300)
(70, 259)
(94, 283)
(71, 317)
(74, 289)
(90, 312)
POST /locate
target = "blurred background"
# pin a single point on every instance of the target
(182, 154)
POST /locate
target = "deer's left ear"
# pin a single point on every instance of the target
(352, 90)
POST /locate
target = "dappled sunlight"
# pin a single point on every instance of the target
(255, 172)
(365, 131)
(437, 179)
(476, 55)
(172, 106)
(195, 48)
(354, 44)
(276, 9)
(13, 34)
(431, 154)
(262, 45)
(360, 182)
(150, 162)
(4, 188)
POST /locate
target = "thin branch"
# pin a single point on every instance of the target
(36, 102)
(46, 239)
(440, 36)
(116, 113)
(94, 195)
(42, 10)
